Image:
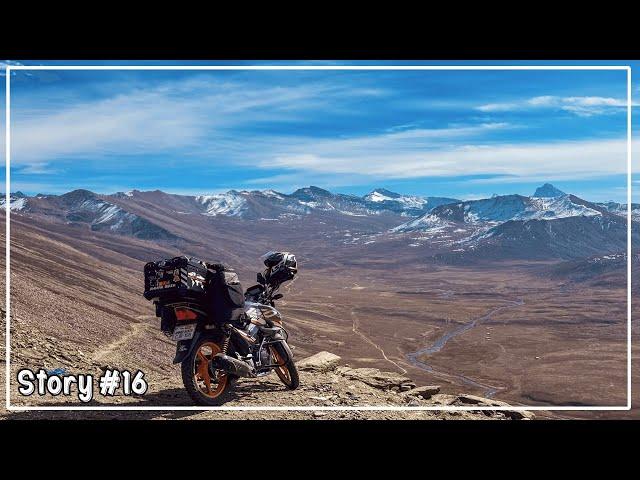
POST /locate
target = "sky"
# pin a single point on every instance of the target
(461, 134)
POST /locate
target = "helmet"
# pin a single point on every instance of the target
(282, 265)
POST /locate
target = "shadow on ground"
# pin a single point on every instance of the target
(243, 394)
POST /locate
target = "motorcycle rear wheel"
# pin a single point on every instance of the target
(206, 386)
(288, 373)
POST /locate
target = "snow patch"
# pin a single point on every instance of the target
(272, 193)
(427, 222)
(549, 208)
(16, 203)
(231, 203)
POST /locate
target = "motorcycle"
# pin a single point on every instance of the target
(213, 356)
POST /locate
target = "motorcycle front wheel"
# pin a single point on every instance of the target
(286, 369)
(206, 386)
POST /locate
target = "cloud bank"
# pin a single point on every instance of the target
(582, 106)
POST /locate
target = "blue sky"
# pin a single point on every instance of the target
(465, 134)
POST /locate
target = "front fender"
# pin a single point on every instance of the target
(275, 333)
(284, 348)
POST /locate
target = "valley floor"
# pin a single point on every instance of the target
(505, 334)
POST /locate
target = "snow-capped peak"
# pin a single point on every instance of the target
(497, 210)
(272, 193)
(381, 195)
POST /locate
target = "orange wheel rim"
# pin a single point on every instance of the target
(283, 372)
(210, 383)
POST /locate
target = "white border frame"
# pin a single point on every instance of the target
(10, 68)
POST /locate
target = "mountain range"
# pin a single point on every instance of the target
(548, 224)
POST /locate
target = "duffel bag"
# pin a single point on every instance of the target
(224, 296)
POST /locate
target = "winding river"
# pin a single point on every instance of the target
(415, 357)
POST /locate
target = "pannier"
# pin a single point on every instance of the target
(214, 286)
(174, 279)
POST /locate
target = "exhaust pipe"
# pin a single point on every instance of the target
(231, 365)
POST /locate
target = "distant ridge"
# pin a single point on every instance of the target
(548, 191)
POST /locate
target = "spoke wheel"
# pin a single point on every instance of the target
(205, 385)
(282, 371)
(286, 370)
(210, 382)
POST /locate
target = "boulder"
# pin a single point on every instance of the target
(320, 362)
(377, 378)
(425, 392)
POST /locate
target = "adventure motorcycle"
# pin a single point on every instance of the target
(222, 334)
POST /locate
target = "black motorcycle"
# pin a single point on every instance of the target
(222, 333)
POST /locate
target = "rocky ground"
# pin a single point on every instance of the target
(325, 382)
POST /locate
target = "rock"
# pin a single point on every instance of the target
(443, 399)
(377, 378)
(320, 362)
(520, 415)
(319, 414)
(65, 357)
(475, 400)
(425, 392)
(513, 414)
(322, 399)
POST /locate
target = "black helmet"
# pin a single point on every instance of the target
(282, 265)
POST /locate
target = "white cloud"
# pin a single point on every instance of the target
(38, 168)
(288, 182)
(392, 156)
(194, 116)
(498, 107)
(583, 106)
(181, 117)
